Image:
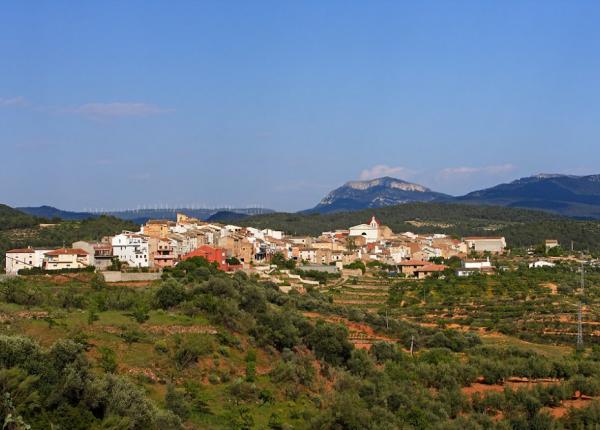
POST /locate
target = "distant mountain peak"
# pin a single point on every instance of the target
(551, 175)
(388, 182)
(374, 193)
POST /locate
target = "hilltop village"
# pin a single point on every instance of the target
(161, 244)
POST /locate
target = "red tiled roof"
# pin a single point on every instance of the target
(483, 238)
(433, 268)
(66, 251)
(21, 251)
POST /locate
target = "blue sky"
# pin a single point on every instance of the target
(121, 104)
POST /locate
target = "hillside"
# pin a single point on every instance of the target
(50, 212)
(201, 349)
(520, 226)
(12, 218)
(574, 196)
(226, 216)
(374, 193)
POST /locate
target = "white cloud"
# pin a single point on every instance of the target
(380, 170)
(484, 170)
(117, 109)
(13, 102)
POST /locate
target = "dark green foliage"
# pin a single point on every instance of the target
(140, 313)
(193, 269)
(251, 365)
(48, 388)
(170, 294)
(232, 261)
(97, 282)
(107, 360)
(278, 329)
(12, 218)
(176, 402)
(282, 263)
(330, 343)
(360, 364)
(356, 265)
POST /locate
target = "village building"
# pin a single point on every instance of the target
(23, 258)
(66, 258)
(429, 270)
(131, 249)
(472, 266)
(238, 246)
(308, 254)
(399, 252)
(211, 254)
(157, 228)
(494, 245)
(161, 252)
(477, 264)
(541, 264)
(372, 232)
(410, 267)
(100, 253)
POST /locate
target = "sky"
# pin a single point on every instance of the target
(112, 104)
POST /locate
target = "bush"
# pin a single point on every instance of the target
(170, 294)
(176, 402)
(107, 360)
(330, 343)
(191, 348)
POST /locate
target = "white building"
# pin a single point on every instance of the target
(399, 253)
(24, 258)
(275, 234)
(369, 231)
(541, 263)
(478, 264)
(308, 254)
(132, 249)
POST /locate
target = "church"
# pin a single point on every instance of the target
(372, 232)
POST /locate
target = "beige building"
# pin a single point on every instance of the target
(66, 258)
(551, 243)
(237, 246)
(494, 245)
(410, 267)
(157, 228)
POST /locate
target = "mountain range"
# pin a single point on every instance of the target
(568, 195)
(140, 216)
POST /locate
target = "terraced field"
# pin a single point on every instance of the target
(543, 310)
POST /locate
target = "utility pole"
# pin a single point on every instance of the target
(412, 344)
(580, 312)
